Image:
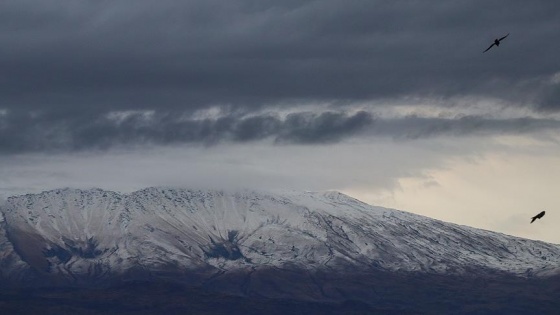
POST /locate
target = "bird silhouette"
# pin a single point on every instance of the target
(538, 216)
(496, 42)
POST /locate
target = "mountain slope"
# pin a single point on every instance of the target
(75, 236)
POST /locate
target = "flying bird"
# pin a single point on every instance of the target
(496, 42)
(538, 216)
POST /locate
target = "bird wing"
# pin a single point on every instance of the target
(488, 48)
(503, 37)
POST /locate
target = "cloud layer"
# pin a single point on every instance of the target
(35, 132)
(66, 67)
(177, 54)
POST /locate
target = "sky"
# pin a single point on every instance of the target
(391, 102)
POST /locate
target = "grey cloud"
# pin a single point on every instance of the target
(23, 132)
(413, 127)
(185, 55)
(322, 128)
(548, 97)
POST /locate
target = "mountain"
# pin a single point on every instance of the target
(306, 246)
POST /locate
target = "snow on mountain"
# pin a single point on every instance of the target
(96, 234)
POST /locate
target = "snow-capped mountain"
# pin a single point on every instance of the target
(84, 235)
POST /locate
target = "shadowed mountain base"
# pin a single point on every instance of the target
(353, 294)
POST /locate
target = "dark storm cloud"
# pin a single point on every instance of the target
(194, 53)
(23, 132)
(75, 61)
(414, 127)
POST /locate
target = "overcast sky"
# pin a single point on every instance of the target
(392, 102)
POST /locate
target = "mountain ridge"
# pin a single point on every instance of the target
(246, 252)
(84, 235)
